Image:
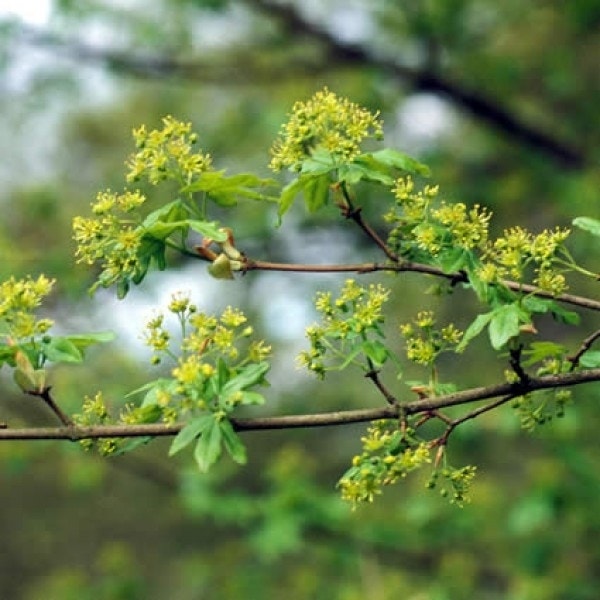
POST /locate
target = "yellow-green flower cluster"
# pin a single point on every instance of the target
(355, 313)
(325, 121)
(95, 412)
(468, 228)
(456, 485)
(18, 300)
(518, 250)
(424, 343)
(388, 455)
(110, 238)
(206, 342)
(420, 220)
(414, 203)
(167, 153)
(538, 409)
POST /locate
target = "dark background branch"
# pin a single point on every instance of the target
(338, 54)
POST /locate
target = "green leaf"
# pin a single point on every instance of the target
(316, 192)
(562, 315)
(83, 340)
(320, 162)
(398, 160)
(376, 351)
(208, 447)
(7, 354)
(452, 260)
(365, 168)
(590, 359)
(252, 398)
(232, 442)
(535, 304)
(161, 230)
(225, 191)
(122, 288)
(62, 350)
(588, 224)
(538, 351)
(288, 195)
(504, 324)
(149, 413)
(248, 376)
(190, 432)
(25, 376)
(474, 329)
(350, 357)
(168, 213)
(210, 229)
(132, 445)
(150, 249)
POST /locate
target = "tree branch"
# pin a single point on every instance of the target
(422, 405)
(57, 410)
(457, 277)
(339, 54)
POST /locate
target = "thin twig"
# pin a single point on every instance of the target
(414, 267)
(453, 424)
(585, 346)
(373, 375)
(354, 213)
(515, 363)
(57, 410)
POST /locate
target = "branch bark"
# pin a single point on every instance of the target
(422, 405)
(408, 266)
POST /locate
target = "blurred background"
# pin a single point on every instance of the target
(500, 99)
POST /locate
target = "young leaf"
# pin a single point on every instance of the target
(474, 329)
(398, 160)
(504, 324)
(168, 213)
(562, 315)
(316, 192)
(538, 351)
(588, 224)
(590, 359)
(84, 340)
(376, 351)
(288, 195)
(365, 168)
(190, 432)
(62, 350)
(453, 259)
(225, 191)
(208, 447)
(249, 375)
(252, 398)
(232, 442)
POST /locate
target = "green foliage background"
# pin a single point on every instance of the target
(142, 526)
